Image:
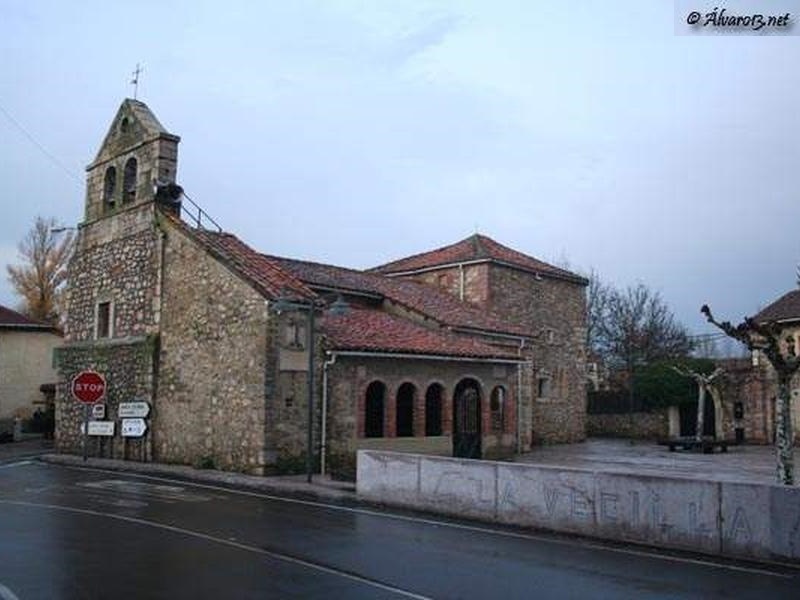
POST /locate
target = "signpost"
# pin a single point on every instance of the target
(133, 410)
(133, 427)
(102, 428)
(88, 387)
(98, 411)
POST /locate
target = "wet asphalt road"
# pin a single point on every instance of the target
(75, 533)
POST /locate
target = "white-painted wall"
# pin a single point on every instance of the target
(26, 362)
(717, 517)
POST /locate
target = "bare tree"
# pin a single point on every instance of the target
(597, 297)
(766, 339)
(639, 328)
(39, 279)
(704, 383)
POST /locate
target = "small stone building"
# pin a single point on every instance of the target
(26, 364)
(471, 350)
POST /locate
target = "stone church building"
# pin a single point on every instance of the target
(472, 349)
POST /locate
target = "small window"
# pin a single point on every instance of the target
(109, 187)
(124, 126)
(129, 181)
(497, 402)
(103, 320)
(294, 334)
(543, 386)
(790, 348)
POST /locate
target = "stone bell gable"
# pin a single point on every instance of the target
(137, 154)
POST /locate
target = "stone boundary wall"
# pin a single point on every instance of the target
(758, 521)
(646, 425)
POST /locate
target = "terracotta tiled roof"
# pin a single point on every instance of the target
(785, 308)
(421, 298)
(373, 330)
(265, 274)
(473, 248)
(11, 319)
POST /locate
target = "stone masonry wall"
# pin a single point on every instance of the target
(472, 279)
(115, 260)
(128, 369)
(349, 378)
(556, 310)
(211, 391)
(643, 425)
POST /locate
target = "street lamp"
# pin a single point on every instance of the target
(339, 307)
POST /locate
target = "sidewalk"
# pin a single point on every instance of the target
(322, 488)
(27, 448)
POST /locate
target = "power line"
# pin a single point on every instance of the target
(44, 150)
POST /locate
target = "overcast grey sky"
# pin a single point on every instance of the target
(356, 132)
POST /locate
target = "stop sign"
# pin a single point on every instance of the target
(88, 387)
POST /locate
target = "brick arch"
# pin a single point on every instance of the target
(372, 416)
(436, 409)
(406, 398)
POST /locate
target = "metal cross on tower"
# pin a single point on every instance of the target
(135, 80)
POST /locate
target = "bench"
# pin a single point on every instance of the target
(706, 445)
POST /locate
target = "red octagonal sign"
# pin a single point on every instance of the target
(88, 387)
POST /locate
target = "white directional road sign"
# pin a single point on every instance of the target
(133, 427)
(128, 410)
(99, 428)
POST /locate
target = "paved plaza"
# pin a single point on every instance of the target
(741, 463)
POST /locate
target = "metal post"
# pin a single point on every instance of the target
(310, 432)
(85, 432)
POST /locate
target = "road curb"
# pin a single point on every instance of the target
(327, 491)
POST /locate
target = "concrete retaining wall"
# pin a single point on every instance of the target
(734, 519)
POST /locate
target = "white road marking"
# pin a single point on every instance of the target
(227, 542)
(169, 493)
(465, 527)
(14, 464)
(7, 594)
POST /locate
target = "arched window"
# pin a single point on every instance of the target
(373, 409)
(433, 409)
(405, 410)
(109, 187)
(497, 402)
(129, 181)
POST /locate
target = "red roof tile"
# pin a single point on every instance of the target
(421, 298)
(12, 319)
(266, 275)
(474, 248)
(785, 308)
(372, 330)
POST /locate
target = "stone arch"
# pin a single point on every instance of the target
(109, 188)
(404, 409)
(374, 409)
(129, 180)
(434, 408)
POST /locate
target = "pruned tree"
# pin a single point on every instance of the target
(766, 338)
(39, 279)
(704, 385)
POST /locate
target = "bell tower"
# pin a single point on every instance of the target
(136, 156)
(114, 277)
